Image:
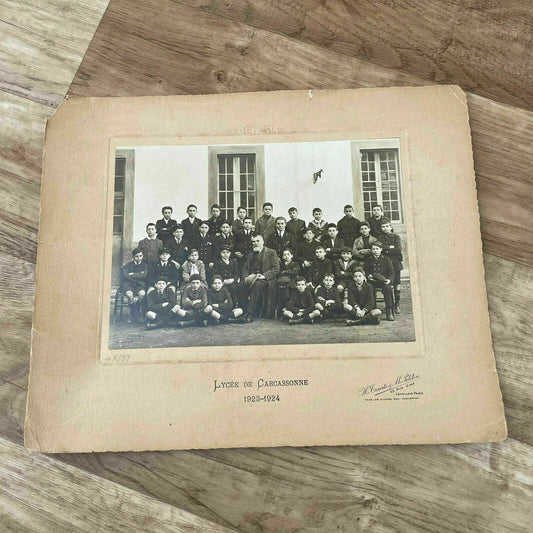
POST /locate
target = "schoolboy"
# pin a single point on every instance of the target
(380, 274)
(343, 269)
(265, 224)
(281, 238)
(191, 224)
(237, 225)
(133, 276)
(392, 248)
(361, 246)
(205, 244)
(301, 306)
(295, 226)
(215, 221)
(332, 243)
(161, 305)
(243, 241)
(193, 304)
(320, 266)
(320, 227)
(327, 298)
(166, 225)
(225, 239)
(194, 266)
(348, 226)
(305, 251)
(165, 268)
(178, 246)
(376, 220)
(286, 279)
(220, 304)
(150, 245)
(228, 270)
(361, 304)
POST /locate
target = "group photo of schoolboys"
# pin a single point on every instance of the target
(209, 272)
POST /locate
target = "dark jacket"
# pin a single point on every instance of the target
(150, 249)
(322, 295)
(348, 230)
(268, 260)
(220, 242)
(227, 270)
(280, 243)
(379, 268)
(189, 295)
(321, 230)
(296, 227)
(288, 273)
(243, 243)
(375, 225)
(359, 250)
(237, 226)
(221, 297)
(169, 272)
(363, 297)
(335, 247)
(178, 252)
(215, 225)
(206, 248)
(305, 251)
(191, 230)
(318, 269)
(265, 226)
(392, 248)
(344, 273)
(165, 229)
(155, 301)
(301, 300)
(133, 277)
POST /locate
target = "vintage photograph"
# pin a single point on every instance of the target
(259, 244)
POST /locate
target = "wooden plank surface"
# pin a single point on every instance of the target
(189, 46)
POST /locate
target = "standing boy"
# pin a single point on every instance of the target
(178, 246)
(224, 240)
(320, 227)
(150, 245)
(392, 248)
(191, 224)
(243, 241)
(295, 226)
(237, 226)
(361, 304)
(348, 226)
(265, 224)
(165, 226)
(281, 238)
(305, 251)
(376, 220)
(215, 221)
(205, 244)
(380, 274)
(301, 306)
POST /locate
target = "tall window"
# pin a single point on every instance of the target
(381, 182)
(118, 211)
(236, 184)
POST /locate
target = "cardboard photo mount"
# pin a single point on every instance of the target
(441, 388)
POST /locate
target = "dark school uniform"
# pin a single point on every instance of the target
(320, 228)
(279, 242)
(150, 249)
(265, 226)
(362, 297)
(333, 247)
(179, 250)
(194, 311)
(161, 303)
(392, 248)
(165, 228)
(323, 295)
(223, 300)
(214, 225)
(222, 241)
(375, 225)
(237, 226)
(243, 244)
(301, 301)
(318, 269)
(286, 281)
(133, 277)
(348, 229)
(305, 251)
(166, 270)
(361, 248)
(229, 270)
(344, 272)
(381, 269)
(296, 228)
(191, 229)
(206, 248)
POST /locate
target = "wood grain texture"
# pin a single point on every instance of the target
(484, 46)
(42, 494)
(194, 52)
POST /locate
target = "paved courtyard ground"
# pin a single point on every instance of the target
(265, 332)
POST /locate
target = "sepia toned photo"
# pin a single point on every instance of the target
(259, 244)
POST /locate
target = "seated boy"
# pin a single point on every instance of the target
(361, 246)
(215, 221)
(376, 220)
(332, 243)
(193, 304)
(348, 226)
(295, 226)
(327, 297)
(380, 274)
(166, 225)
(220, 304)
(133, 277)
(361, 304)
(193, 266)
(223, 240)
(343, 269)
(237, 226)
(320, 266)
(281, 238)
(150, 245)
(165, 268)
(320, 227)
(286, 279)
(178, 246)
(243, 241)
(392, 248)
(161, 305)
(301, 305)
(305, 251)
(228, 269)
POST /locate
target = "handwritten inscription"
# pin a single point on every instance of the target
(403, 387)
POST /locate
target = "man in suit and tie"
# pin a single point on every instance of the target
(281, 239)
(258, 280)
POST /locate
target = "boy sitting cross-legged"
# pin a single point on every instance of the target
(161, 305)
(220, 305)
(301, 306)
(360, 304)
(328, 300)
(193, 304)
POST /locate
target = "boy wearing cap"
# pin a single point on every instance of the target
(301, 306)
(220, 304)
(161, 305)
(380, 274)
(166, 225)
(348, 226)
(193, 304)
(133, 276)
(150, 245)
(360, 303)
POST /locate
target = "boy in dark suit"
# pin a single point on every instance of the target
(150, 245)
(205, 244)
(348, 226)
(165, 268)
(305, 251)
(237, 226)
(392, 248)
(133, 276)
(165, 226)
(215, 221)
(376, 220)
(228, 270)
(301, 306)
(280, 239)
(161, 305)
(295, 226)
(243, 241)
(193, 304)
(191, 224)
(178, 246)
(225, 239)
(343, 269)
(361, 304)
(332, 243)
(320, 266)
(328, 300)
(380, 274)
(265, 225)
(286, 279)
(320, 227)
(220, 304)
